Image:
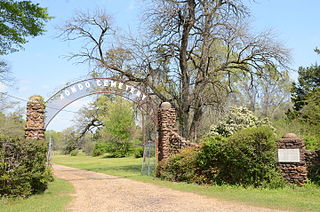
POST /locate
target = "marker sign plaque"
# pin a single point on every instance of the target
(288, 155)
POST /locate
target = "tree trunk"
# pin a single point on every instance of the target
(188, 23)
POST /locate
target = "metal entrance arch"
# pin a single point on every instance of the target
(163, 119)
(88, 87)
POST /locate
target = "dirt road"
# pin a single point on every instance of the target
(97, 192)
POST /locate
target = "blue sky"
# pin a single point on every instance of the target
(42, 69)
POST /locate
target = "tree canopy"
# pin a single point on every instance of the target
(190, 55)
(18, 20)
(308, 80)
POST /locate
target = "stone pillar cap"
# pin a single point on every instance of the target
(290, 135)
(165, 105)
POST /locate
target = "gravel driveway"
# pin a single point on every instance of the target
(97, 192)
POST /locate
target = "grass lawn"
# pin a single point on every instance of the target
(53, 200)
(305, 198)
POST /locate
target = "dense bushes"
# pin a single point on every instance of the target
(23, 169)
(118, 149)
(180, 167)
(246, 158)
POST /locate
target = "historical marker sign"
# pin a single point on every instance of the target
(288, 155)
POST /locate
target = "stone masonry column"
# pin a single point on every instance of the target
(167, 121)
(35, 119)
(291, 159)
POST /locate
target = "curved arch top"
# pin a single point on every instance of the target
(91, 86)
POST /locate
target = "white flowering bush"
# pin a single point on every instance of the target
(237, 118)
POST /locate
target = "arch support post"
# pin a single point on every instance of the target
(34, 128)
(166, 125)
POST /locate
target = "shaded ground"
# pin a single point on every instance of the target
(101, 192)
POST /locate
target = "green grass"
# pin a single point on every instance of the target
(305, 198)
(53, 200)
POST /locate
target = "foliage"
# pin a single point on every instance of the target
(74, 152)
(138, 151)
(284, 125)
(100, 148)
(20, 19)
(118, 120)
(23, 167)
(88, 147)
(116, 149)
(308, 80)
(56, 139)
(236, 119)
(191, 55)
(312, 142)
(311, 110)
(180, 167)
(70, 140)
(12, 123)
(107, 125)
(246, 158)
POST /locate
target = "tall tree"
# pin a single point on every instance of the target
(311, 110)
(308, 80)
(192, 50)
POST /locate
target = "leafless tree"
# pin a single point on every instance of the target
(267, 95)
(190, 55)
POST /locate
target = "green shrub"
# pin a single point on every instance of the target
(70, 145)
(23, 169)
(246, 158)
(100, 148)
(74, 152)
(311, 142)
(116, 149)
(179, 167)
(138, 151)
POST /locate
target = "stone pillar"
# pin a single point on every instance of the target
(291, 159)
(35, 118)
(167, 122)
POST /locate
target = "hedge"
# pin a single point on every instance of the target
(23, 169)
